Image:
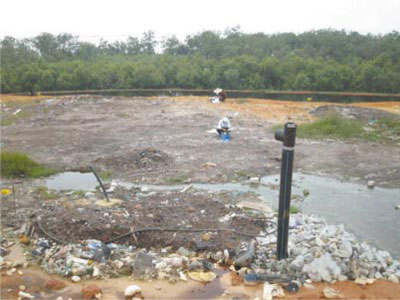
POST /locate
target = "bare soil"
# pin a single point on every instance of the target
(113, 133)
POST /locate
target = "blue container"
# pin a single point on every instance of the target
(225, 137)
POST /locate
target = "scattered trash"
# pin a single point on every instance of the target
(202, 276)
(272, 290)
(75, 278)
(5, 192)
(371, 184)
(331, 293)
(25, 295)
(132, 290)
(245, 258)
(91, 291)
(17, 111)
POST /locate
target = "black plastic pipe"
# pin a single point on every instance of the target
(101, 184)
(287, 137)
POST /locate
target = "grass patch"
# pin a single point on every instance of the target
(242, 173)
(294, 209)
(79, 193)
(334, 126)
(44, 193)
(177, 179)
(104, 175)
(331, 126)
(16, 164)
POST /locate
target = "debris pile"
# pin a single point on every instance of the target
(146, 159)
(321, 252)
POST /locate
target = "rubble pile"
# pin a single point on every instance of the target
(322, 252)
(317, 252)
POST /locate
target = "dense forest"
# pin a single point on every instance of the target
(324, 60)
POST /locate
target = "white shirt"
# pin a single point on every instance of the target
(224, 123)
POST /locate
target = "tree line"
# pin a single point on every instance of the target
(324, 60)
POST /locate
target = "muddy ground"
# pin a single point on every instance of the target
(166, 140)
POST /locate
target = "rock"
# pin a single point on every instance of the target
(90, 291)
(323, 268)
(142, 262)
(75, 278)
(158, 288)
(132, 290)
(361, 281)
(342, 277)
(397, 206)
(393, 278)
(55, 284)
(370, 184)
(306, 192)
(309, 286)
(183, 251)
(331, 293)
(254, 180)
(298, 263)
(370, 280)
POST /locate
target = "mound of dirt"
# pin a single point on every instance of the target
(147, 159)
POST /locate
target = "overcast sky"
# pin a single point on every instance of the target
(117, 19)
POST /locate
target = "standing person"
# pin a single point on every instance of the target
(224, 126)
(220, 94)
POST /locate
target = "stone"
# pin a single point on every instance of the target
(370, 184)
(55, 284)
(254, 180)
(132, 290)
(90, 291)
(361, 281)
(323, 268)
(393, 278)
(142, 262)
(298, 262)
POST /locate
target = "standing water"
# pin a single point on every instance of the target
(72, 181)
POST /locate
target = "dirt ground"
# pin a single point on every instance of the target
(111, 133)
(166, 140)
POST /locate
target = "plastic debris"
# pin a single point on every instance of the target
(331, 293)
(202, 276)
(272, 290)
(132, 290)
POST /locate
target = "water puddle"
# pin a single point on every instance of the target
(72, 181)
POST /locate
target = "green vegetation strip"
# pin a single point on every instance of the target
(16, 164)
(335, 126)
